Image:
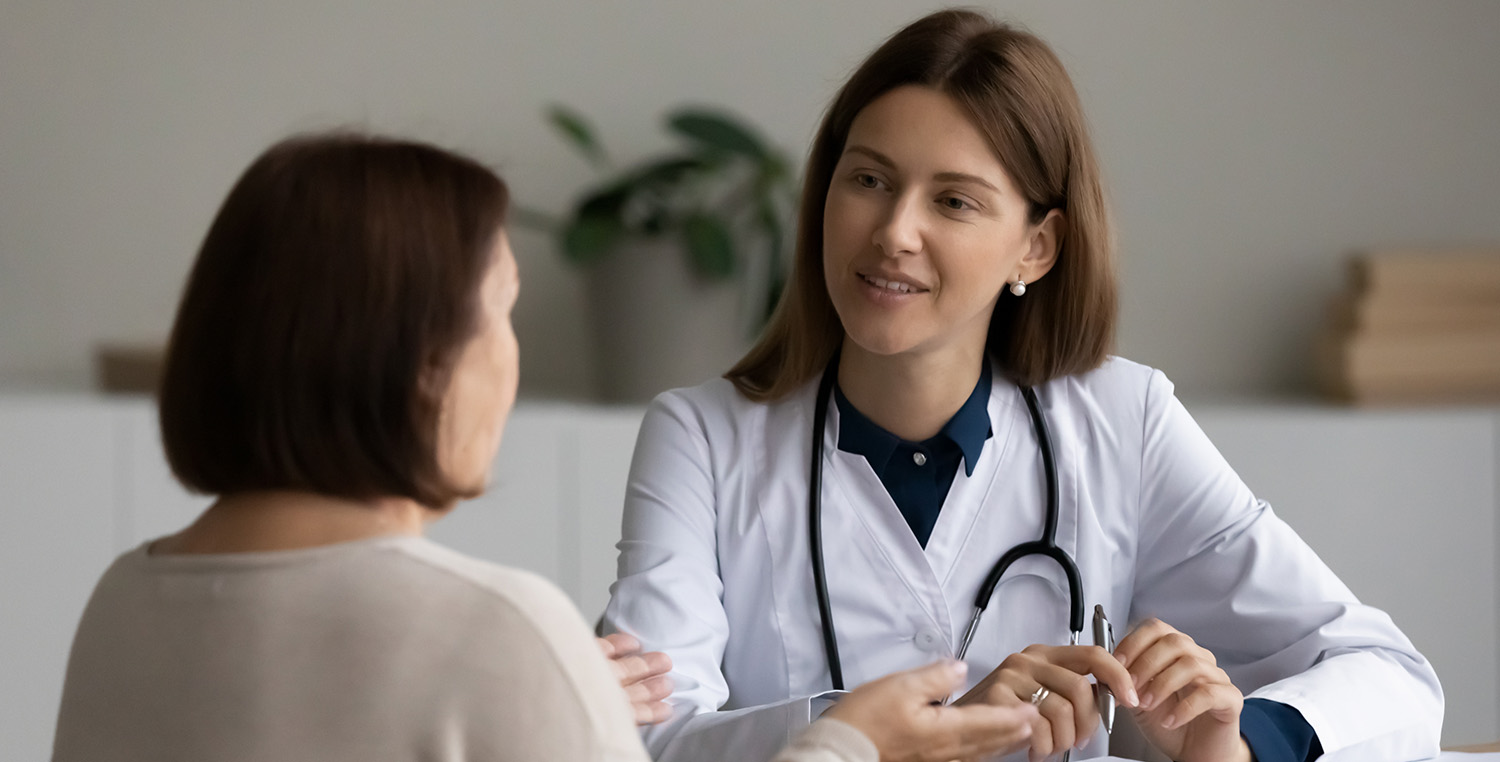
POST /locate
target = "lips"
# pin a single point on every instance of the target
(891, 285)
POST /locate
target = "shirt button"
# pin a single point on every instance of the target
(919, 458)
(927, 640)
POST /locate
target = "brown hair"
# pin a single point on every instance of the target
(318, 328)
(1018, 95)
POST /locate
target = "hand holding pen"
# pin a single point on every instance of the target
(1055, 679)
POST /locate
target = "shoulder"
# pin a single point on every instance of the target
(1117, 379)
(509, 593)
(526, 647)
(1112, 405)
(718, 411)
(1119, 387)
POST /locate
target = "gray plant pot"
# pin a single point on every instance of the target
(657, 326)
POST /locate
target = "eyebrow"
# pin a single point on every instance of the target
(945, 177)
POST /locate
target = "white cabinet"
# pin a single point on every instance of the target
(59, 529)
(1402, 505)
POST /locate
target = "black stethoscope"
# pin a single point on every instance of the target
(1046, 546)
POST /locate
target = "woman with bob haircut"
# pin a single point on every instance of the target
(339, 375)
(937, 374)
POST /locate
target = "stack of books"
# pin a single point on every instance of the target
(1415, 326)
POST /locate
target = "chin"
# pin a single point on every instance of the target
(882, 343)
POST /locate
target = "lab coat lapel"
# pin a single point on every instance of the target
(969, 495)
(889, 542)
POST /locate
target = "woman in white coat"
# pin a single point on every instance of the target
(953, 251)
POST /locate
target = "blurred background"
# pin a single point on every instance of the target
(1248, 146)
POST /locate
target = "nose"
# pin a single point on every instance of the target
(901, 230)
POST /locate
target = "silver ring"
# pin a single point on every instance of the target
(1041, 695)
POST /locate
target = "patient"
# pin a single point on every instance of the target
(339, 375)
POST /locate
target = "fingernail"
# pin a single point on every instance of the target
(1169, 722)
(1147, 701)
(1132, 697)
(960, 668)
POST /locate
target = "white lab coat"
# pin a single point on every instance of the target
(714, 567)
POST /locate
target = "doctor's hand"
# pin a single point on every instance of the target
(642, 675)
(1067, 714)
(902, 714)
(1188, 709)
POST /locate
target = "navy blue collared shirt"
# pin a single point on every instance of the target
(917, 475)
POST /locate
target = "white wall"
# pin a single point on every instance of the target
(1249, 144)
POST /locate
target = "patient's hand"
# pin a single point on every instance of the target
(900, 713)
(642, 675)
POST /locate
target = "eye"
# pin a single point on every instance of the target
(955, 204)
(866, 180)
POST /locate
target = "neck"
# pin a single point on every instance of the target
(911, 396)
(288, 520)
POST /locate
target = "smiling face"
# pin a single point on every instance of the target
(923, 228)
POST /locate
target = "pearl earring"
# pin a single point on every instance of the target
(1018, 288)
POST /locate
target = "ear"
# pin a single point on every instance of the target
(1046, 243)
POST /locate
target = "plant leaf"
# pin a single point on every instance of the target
(717, 131)
(665, 171)
(605, 202)
(577, 130)
(709, 245)
(587, 239)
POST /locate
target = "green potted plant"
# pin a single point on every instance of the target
(684, 252)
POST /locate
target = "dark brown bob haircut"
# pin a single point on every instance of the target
(319, 326)
(1017, 94)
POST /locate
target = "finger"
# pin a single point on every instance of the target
(647, 691)
(1149, 670)
(652, 713)
(1178, 675)
(660, 711)
(935, 681)
(981, 730)
(623, 644)
(1222, 701)
(1042, 743)
(632, 669)
(1140, 638)
(657, 663)
(1062, 717)
(1070, 708)
(1103, 665)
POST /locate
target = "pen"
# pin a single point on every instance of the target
(1104, 637)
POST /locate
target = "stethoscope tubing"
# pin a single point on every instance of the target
(1045, 546)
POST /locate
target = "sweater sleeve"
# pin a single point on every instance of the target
(829, 740)
(540, 688)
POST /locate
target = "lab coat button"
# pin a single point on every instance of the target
(927, 640)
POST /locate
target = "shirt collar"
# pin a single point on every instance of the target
(969, 428)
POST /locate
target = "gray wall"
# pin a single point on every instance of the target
(1248, 144)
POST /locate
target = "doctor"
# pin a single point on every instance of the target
(954, 252)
